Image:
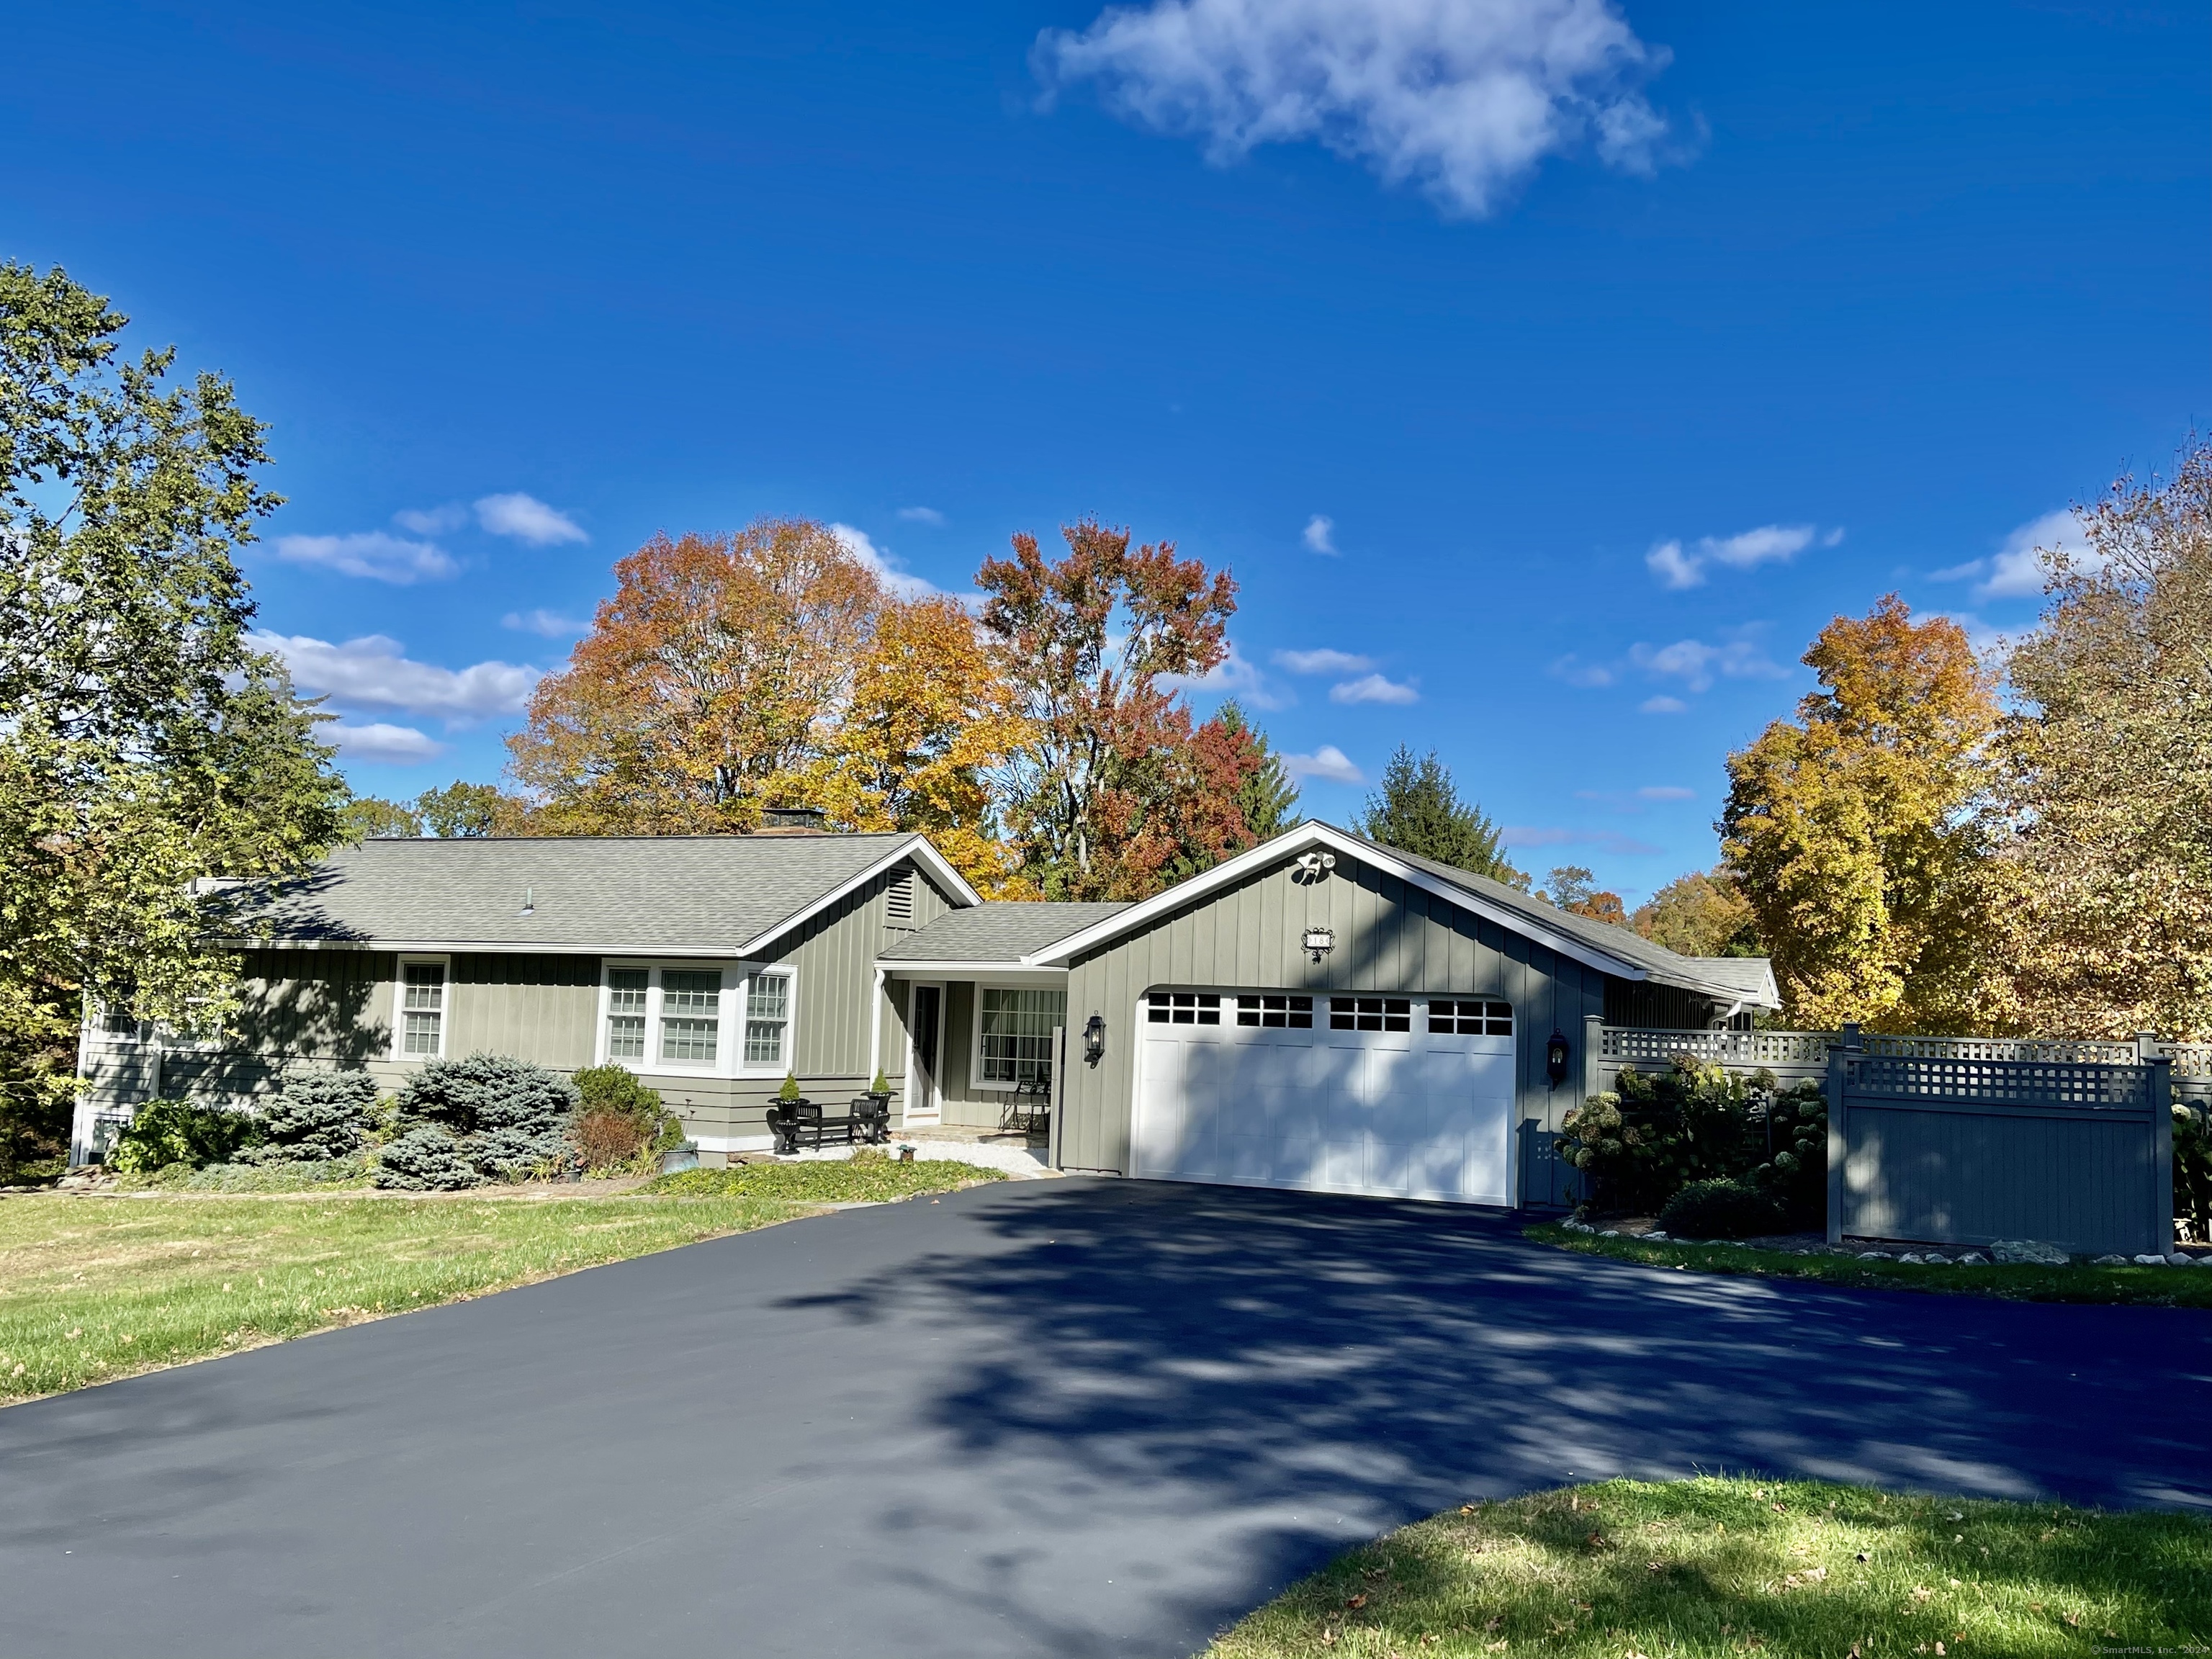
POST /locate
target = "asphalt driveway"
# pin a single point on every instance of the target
(1057, 1418)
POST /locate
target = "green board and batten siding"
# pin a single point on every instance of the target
(1389, 936)
(334, 1007)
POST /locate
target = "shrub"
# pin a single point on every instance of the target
(790, 1090)
(2192, 1169)
(621, 1125)
(1720, 1209)
(490, 1115)
(427, 1158)
(166, 1132)
(1657, 1133)
(319, 1116)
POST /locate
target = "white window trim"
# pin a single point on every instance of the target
(399, 1010)
(997, 982)
(729, 1010)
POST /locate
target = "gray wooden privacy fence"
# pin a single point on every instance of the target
(1966, 1140)
(1950, 1149)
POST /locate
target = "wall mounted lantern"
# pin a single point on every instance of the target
(1094, 1040)
(1555, 1059)
(1321, 941)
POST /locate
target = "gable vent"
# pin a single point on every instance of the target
(898, 899)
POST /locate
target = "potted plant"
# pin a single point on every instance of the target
(880, 1089)
(789, 1093)
(683, 1155)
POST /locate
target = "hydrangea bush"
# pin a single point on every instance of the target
(1655, 1133)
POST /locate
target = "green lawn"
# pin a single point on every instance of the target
(877, 1179)
(1712, 1567)
(2178, 1287)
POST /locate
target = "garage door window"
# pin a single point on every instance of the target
(1470, 1019)
(1286, 1013)
(1182, 1008)
(1370, 1014)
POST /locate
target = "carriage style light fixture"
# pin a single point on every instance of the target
(1321, 941)
(1555, 1058)
(1094, 1039)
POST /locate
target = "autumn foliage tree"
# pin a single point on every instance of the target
(708, 687)
(1702, 913)
(1857, 833)
(1114, 791)
(2106, 783)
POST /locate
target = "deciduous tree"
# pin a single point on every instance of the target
(1702, 913)
(2107, 776)
(1114, 788)
(1419, 809)
(1857, 831)
(708, 687)
(1574, 888)
(143, 744)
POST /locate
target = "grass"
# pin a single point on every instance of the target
(2173, 1287)
(1720, 1567)
(94, 1289)
(877, 1179)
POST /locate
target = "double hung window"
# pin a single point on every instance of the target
(690, 1015)
(1016, 1034)
(767, 1021)
(626, 994)
(422, 1009)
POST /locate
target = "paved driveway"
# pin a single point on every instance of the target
(1062, 1418)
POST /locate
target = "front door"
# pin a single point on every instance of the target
(924, 1026)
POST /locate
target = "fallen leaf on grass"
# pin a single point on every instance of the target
(1357, 1601)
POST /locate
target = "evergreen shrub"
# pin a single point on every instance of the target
(492, 1116)
(318, 1117)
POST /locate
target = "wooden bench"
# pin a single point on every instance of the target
(801, 1123)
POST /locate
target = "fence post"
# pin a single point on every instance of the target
(2160, 1090)
(1838, 1139)
(1593, 1041)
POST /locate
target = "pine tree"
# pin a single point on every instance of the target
(1267, 798)
(1418, 810)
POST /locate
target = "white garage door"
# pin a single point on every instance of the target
(1407, 1097)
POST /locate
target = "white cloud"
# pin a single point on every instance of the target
(921, 516)
(1575, 672)
(1460, 97)
(431, 521)
(2017, 572)
(371, 554)
(1234, 675)
(1319, 531)
(1322, 661)
(550, 624)
(1612, 841)
(1373, 687)
(1665, 791)
(527, 520)
(1662, 706)
(1695, 663)
(1746, 550)
(882, 562)
(374, 671)
(398, 744)
(1327, 762)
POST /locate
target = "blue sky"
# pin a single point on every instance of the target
(1546, 371)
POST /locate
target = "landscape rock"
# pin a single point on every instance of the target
(1912, 1257)
(1973, 1259)
(2150, 1261)
(2031, 1251)
(2111, 1261)
(1874, 1255)
(1657, 1237)
(2180, 1259)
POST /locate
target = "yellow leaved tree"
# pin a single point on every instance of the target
(1858, 833)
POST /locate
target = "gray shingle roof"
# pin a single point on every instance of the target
(1002, 932)
(1749, 977)
(644, 894)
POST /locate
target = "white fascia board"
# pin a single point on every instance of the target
(1316, 834)
(907, 967)
(917, 848)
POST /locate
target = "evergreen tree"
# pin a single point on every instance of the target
(1267, 798)
(1419, 809)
